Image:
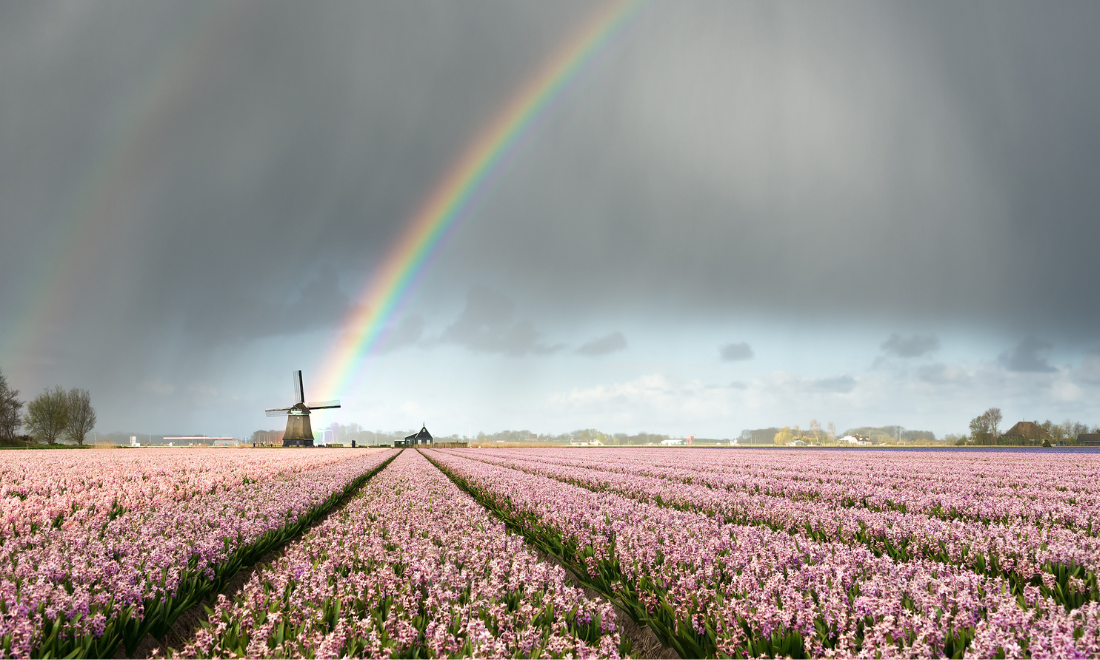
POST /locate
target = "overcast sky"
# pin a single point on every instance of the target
(738, 215)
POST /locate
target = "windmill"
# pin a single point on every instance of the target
(298, 431)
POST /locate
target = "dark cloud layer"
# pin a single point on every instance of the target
(1027, 356)
(407, 332)
(486, 326)
(177, 177)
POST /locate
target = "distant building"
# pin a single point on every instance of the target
(1089, 440)
(672, 441)
(421, 437)
(588, 443)
(1027, 431)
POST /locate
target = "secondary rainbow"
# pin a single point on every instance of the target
(92, 218)
(451, 198)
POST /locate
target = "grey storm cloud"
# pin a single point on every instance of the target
(486, 326)
(736, 352)
(611, 343)
(407, 332)
(179, 177)
(1027, 356)
(911, 346)
(942, 374)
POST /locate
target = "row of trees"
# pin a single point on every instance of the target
(985, 429)
(812, 435)
(54, 414)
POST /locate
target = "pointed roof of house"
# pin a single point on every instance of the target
(421, 435)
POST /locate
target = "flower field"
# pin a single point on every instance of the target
(741, 553)
(98, 548)
(434, 553)
(413, 567)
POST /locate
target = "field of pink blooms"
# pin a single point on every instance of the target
(100, 547)
(433, 553)
(809, 553)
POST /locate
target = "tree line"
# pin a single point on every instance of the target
(52, 415)
(985, 429)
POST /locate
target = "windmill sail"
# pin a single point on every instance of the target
(299, 390)
(323, 404)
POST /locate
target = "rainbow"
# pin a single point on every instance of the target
(393, 280)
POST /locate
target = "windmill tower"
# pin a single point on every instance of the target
(299, 433)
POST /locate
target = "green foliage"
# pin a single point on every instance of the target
(784, 436)
(884, 433)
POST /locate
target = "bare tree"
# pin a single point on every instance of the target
(832, 432)
(47, 416)
(9, 411)
(979, 430)
(80, 417)
(815, 428)
(993, 419)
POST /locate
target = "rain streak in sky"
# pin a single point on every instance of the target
(722, 216)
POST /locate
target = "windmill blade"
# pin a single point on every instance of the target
(277, 412)
(323, 404)
(299, 390)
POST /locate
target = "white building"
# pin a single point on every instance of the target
(852, 440)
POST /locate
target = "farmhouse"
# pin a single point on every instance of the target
(421, 437)
(1027, 431)
(1089, 440)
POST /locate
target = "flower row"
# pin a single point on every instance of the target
(85, 589)
(411, 567)
(711, 588)
(1039, 490)
(73, 489)
(1062, 563)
